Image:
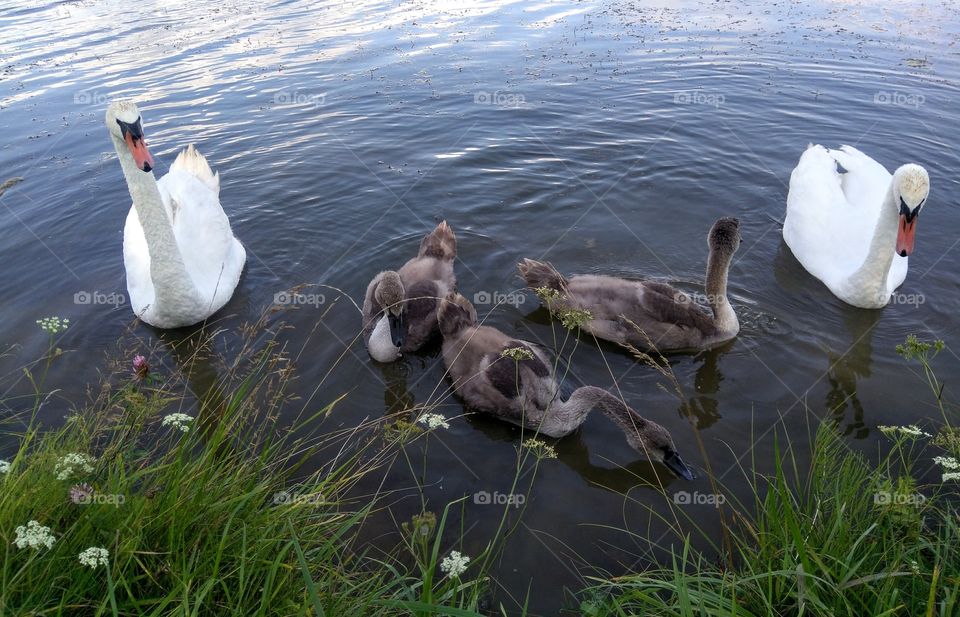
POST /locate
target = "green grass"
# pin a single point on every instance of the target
(840, 536)
(232, 517)
(219, 520)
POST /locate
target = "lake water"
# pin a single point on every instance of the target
(605, 137)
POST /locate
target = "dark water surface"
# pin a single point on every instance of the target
(605, 137)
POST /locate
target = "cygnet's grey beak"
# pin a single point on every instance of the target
(677, 466)
(398, 333)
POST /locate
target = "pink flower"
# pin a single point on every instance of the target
(81, 493)
(140, 367)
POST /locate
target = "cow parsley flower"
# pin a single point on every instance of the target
(94, 556)
(948, 462)
(53, 325)
(910, 431)
(178, 421)
(950, 475)
(33, 535)
(539, 449)
(71, 463)
(454, 564)
(518, 353)
(4, 466)
(433, 420)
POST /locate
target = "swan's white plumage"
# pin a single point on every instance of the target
(213, 257)
(831, 216)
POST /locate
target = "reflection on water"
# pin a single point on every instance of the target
(702, 407)
(847, 367)
(192, 354)
(605, 138)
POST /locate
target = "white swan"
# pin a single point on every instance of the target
(182, 259)
(851, 224)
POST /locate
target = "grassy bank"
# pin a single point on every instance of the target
(845, 534)
(149, 500)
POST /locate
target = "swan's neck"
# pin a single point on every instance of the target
(870, 280)
(171, 281)
(724, 317)
(570, 414)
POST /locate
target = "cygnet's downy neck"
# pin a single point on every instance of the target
(718, 268)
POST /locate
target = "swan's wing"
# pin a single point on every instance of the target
(195, 164)
(136, 262)
(828, 233)
(212, 255)
(865, 184)
(648, 304)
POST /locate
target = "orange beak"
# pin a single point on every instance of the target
(905, 235)
(138, 148)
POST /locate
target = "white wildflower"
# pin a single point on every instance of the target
(948, 462)
(454, 564)
(94, 556)
(53, 325)
(33, 535)
(539, 449)
(4, 466)
(951, 475)
(910, 431)
(433, 420)
(73, 462)
(178, 421)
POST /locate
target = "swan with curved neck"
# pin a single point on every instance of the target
(181, 257)
(649, 314)
(852, 224)
(400, 307)
(513, 380)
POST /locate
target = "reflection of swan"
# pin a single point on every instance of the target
(668, 318)
(703, 409)
(181, 257)
(846, 367)
(844, 225)
(523, 390)
(397, 398)
(400, 308)
(190, 352)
